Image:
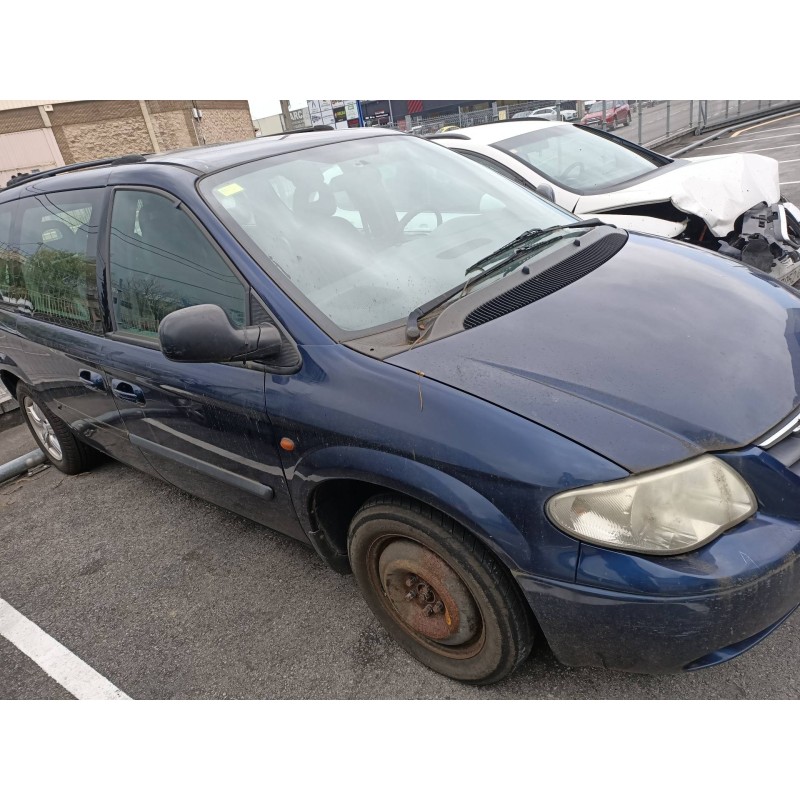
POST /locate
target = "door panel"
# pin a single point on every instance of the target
(205, 429)
(48, 284)
(55, 361)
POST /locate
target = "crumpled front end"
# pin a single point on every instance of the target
(769, 241)
(719, 189)
(730, 203)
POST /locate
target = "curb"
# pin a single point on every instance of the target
(8, 405)
(7, 402)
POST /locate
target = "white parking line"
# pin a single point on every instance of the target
(759, 139)
(62, 665)
(757, 133)
(789, 183)
(762, 124)
(789, 160)
(757, 150)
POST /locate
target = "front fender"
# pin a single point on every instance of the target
(424, 483)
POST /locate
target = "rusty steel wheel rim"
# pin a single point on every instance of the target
(426, 597)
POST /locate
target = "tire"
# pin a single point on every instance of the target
(613, 124)
(60, 446)
(627, 120)
(438, 591)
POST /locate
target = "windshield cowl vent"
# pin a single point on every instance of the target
(571, 269)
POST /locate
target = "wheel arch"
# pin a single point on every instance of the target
(341, 479)
(10, 381)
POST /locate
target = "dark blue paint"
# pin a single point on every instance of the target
(664, 352)
(211, 412)
(589, 626)
(355, 417)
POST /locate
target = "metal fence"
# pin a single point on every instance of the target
(650, 122)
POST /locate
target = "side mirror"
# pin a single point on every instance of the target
(203, 334)
(546, 190)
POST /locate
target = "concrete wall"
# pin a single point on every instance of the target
(90, 129)
(224, 121)
(269, 125)
(24, 151)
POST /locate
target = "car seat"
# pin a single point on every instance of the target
(57, 235)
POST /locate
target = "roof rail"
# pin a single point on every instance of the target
(100, 162)
(525, 119)
(309, 129)
(446, 136)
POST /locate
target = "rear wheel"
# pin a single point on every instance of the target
(58, 443)
(440, 594)
(627, 120)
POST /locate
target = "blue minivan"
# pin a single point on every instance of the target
(508, 423)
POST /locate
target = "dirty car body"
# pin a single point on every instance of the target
(434, 378)
(728, 203)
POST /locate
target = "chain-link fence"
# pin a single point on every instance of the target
(647, 122)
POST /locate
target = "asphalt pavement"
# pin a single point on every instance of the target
(167, 596)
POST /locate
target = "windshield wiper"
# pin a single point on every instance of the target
(525, 243)
(530, 236)
(413, 331)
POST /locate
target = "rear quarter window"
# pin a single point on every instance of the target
(6, 218)
(49, 269)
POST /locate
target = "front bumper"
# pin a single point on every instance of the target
(659, 629)
(770, 241)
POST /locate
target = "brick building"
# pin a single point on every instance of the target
(39, 134)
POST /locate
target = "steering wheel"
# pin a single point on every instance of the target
(408, 216)
(575, 166)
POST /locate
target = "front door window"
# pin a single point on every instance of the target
(161, 261)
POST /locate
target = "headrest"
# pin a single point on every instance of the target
(314, 198)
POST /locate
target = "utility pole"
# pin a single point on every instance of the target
(287, 122)
(579, 110)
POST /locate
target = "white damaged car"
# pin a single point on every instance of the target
(729, 203)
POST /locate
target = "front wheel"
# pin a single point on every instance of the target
(440, 594)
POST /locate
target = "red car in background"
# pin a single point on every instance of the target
(617, 112)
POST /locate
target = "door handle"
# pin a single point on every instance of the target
(127, 391)
(92, 380)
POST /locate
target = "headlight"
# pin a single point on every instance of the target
(665, 512)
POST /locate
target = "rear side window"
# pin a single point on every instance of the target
(161, 261)
(6, 251)
(49, 270)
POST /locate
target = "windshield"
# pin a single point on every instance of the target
(598, 106)
(577, 159)
(367, 230)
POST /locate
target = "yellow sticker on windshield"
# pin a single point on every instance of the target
(229, 189)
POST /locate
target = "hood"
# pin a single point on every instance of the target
(718, 189)
(663, 352)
